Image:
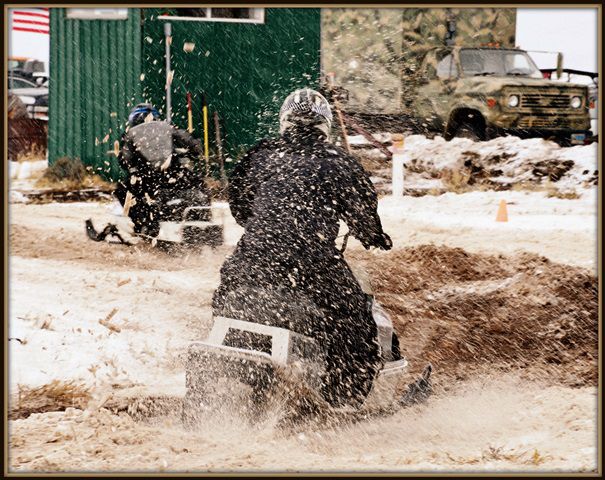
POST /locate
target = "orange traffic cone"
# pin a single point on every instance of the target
(502, 215)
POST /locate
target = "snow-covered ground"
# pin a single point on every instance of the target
(118, 320)
(563, 230)
(78, 283)
(74, 289)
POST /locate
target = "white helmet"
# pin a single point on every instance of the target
(306, 107)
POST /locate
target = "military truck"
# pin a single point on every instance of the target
(484, 92)
(453, 71)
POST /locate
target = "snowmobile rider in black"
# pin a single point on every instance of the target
(159, 161)
(290, 194)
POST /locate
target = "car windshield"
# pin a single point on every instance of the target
(500, 63)
(16, 82)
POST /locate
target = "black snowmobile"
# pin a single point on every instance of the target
(242, 366)
(163, 196)
(289, 313)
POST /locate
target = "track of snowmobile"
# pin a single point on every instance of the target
(502, 417)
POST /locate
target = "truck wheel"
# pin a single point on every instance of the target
(467, 130)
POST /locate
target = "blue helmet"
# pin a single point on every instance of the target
(140, 113)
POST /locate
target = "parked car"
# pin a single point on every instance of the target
(17, 81)
(28, 80)
(26, 67)
(34, 96)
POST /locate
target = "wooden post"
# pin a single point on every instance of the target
(219, 148)
(205, 169)
(205, 112)
(343, 127)
(168, 41)
(189, 114)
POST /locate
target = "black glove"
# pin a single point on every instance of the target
(384, 242)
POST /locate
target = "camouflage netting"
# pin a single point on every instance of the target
(373, 52)
(362, 48)
(464, 311)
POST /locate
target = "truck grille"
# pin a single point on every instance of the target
(539, 122)
(551, 122)
(545, 100)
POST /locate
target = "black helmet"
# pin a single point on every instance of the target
(141, 112)
(305, 107)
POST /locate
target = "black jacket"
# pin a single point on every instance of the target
(302, 186)
(290, 195)
(160, 164)
(138, 158)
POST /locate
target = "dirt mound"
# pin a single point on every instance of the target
(464, 312)
(64, 245)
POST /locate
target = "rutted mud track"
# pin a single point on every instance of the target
(513, 340)
(465, 312)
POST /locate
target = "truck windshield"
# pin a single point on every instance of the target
(501, 63)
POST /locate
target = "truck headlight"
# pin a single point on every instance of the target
(576, 102)
(513, 101)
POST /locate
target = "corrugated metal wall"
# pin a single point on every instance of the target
(95, 67)
(246, 70)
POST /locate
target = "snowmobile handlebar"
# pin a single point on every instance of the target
(384, 242)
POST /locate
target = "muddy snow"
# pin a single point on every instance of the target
(506, 312)
(504, 163)
(489, 424)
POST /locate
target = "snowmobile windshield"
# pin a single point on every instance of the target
(498, 63)
(153, 141)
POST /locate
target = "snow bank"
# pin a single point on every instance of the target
(499, 163)
(507, 159)
(25, 170)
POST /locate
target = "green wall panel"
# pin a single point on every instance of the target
(94, 67)
(246, 70)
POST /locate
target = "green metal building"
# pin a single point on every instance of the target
(104, 61)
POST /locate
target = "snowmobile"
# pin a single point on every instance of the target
(199, 225)
(241, 364)
(180, 212)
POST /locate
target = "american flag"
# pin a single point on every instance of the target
(33, 20)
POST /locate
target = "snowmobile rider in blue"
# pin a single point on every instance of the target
(290, 194)
(159, 160)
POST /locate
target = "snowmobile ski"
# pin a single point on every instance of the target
(109, 230)
(420, 390)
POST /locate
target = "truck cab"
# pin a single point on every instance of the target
(484, 92)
